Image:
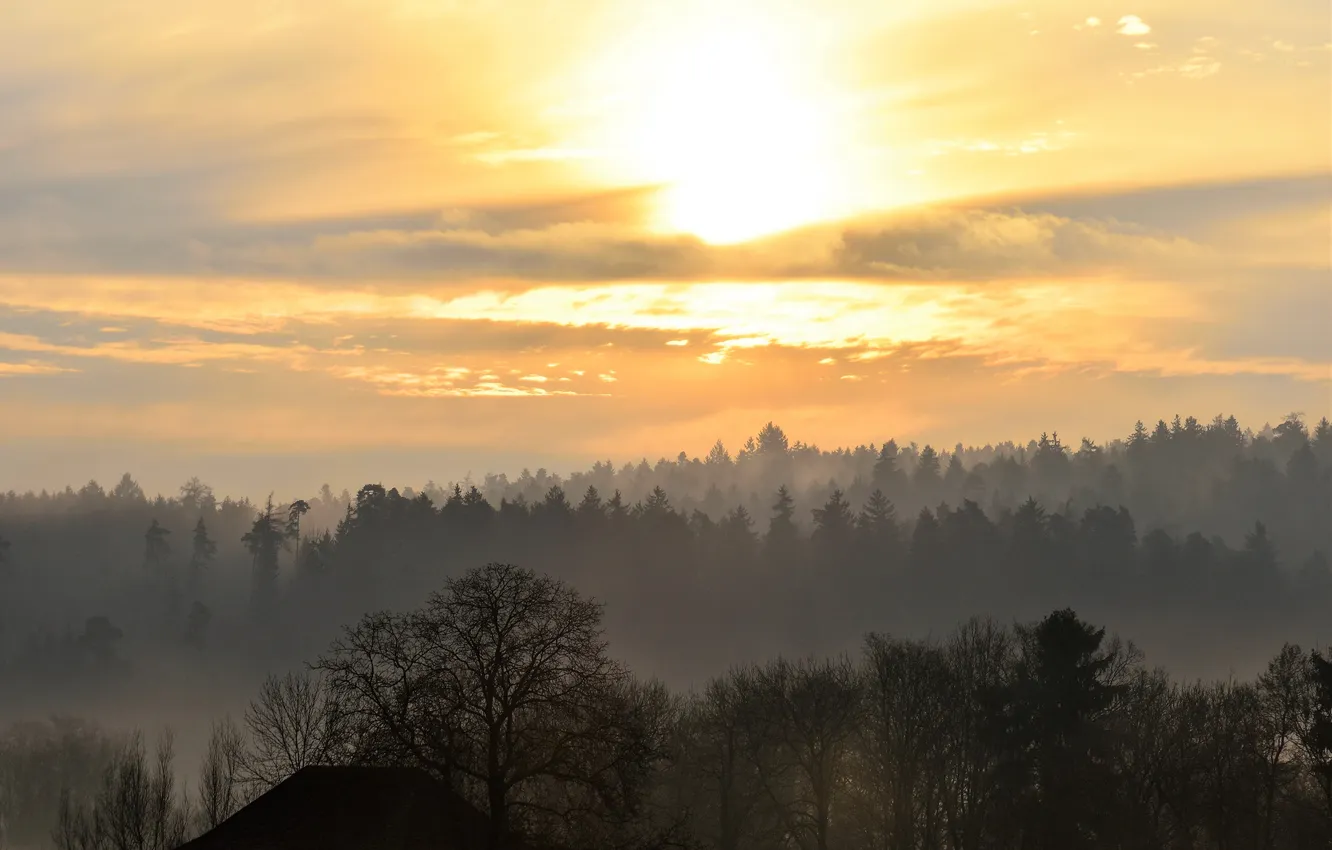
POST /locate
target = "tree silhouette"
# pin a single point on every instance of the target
(202, 551)
(502, 685)
(782, 533)
(295, 511)
(265, 539)
(834, 522)
(156, 549)
(1058, 756)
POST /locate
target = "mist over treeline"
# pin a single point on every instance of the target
(1205, 543)
(1205, 540)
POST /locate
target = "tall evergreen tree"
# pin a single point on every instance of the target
(202, 551)
(834, 522)
(264, 541)
(156, 549)
(1058, 769)
(782, 533)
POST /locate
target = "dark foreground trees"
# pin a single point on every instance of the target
(1048, 735)
(1051, 735)
(137, 806)
(502, 686)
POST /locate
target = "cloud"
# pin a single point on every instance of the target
(584, 240)
(185, 351)
(31, 367)
(1132, 25)
(919, 244)
(443, 382)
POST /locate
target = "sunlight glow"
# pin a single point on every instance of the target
(737, 129)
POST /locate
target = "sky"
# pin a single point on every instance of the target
(280, 243)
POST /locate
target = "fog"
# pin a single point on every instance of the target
(1205, 543)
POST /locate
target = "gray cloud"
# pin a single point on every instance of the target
(594, 238)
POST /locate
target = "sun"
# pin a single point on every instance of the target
(735, 129)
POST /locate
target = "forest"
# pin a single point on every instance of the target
(786, 647)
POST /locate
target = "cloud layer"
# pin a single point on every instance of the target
(307, 226)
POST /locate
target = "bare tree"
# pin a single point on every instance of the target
(137, 806)
(723, 737)
(811, 709)
(901, 739)
(980, 655)
(501, 684)
(293, 723)
(222, 787)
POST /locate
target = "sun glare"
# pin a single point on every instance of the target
(737, 130)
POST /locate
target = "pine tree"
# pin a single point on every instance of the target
(926, 543)
(782, 533)
(295, 511)
(265, 539)
(834, 521)
(926, 479)
(1059, 758)
(657, 503)
(616, 511)
(718, 456)
(156, 549)
(202, 552)
(887, 476)
(591, 508)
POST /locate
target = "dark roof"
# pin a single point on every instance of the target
(352, 808)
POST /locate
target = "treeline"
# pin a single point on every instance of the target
(1051, 735)
(199, 575)
(1181, 476)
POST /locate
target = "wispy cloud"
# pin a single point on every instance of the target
(32, 367)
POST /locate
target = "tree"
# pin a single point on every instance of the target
(955, 476)
(265, 539)
(1057, 765)
(197, 496)
(886, 475)
(137, 806)
(927, 545)
(810, 711)
(502, 686)
(1284, 703)
(772, 441)
(737, 534)
(221, 783)
(901, 738)
(591, 509)
(782, 534)
(295, 511)
(156, 549)
(1318, 739)
(128, 490)
(834, 522)
(718, 457)
(202, 551)
(878, 523)
(723, 737)
(293, 723)
(926, 478)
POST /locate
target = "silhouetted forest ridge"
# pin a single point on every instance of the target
(1205, 540)
(499, 697)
